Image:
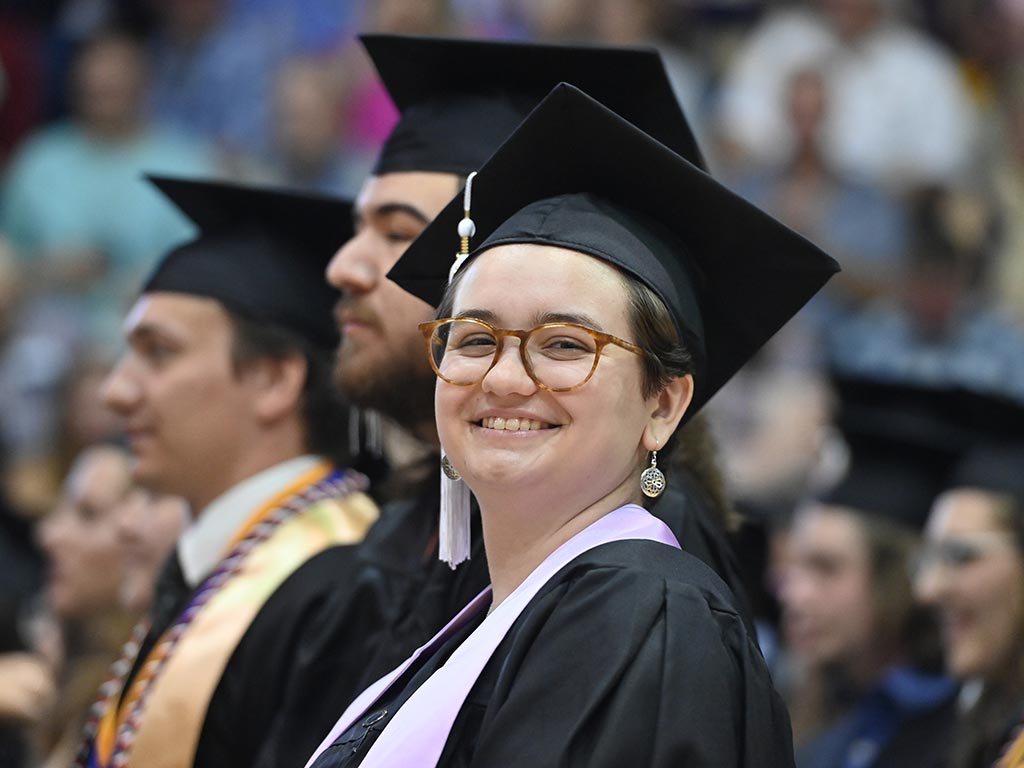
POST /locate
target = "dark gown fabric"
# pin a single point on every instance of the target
(634, 654)
(685, 509)
(399, 597)
(403, 595)
(244, 711)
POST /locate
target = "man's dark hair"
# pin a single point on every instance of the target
(324, 412)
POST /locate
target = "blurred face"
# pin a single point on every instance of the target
(149, 524)
(80, 537)
(188, 413)
(826, 588)
(381, 363)
(852, 18)
(306, 114)
(973, 573)
(505, 434)
(109, 81)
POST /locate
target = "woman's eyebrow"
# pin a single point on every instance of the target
(576, 318)
(479, 314)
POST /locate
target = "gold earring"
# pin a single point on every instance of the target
(652, 479)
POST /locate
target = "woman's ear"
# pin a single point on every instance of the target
(667, 409)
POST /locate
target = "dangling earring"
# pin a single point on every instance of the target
(453, 529)
(652, 479)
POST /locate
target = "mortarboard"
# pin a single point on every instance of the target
(459, 99)
(895, 482)
(576, 175)
(260, 252)
(906, 440)
(994, 467)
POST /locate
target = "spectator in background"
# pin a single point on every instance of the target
(308, 130)
(21, 80)
(149, 524)
(86, 562)
(938, 331)
(972, 572)
(862, 225)
(1006, 279)
(865, 697)
(85, 224)
(213, 74)
(900, 113)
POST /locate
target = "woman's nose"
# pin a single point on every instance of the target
(507, 374)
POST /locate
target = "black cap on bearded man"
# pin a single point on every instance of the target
(459, 99)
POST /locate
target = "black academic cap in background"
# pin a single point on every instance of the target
(459, 99)
(260, 252)
(908, 442)
(896, 483)
(993, 467)
(578, 176)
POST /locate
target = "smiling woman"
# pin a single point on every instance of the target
(972, 572)
(595, 315)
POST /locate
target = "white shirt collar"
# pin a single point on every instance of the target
(202, 544)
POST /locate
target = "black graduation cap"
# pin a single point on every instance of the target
(260, 252)
(907, 438)
(459, 99)
(996, 467)
(577, 175)
(894, 482)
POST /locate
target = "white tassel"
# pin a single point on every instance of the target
(453, 535)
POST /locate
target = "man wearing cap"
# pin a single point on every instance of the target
(459, 99)
(226, 394)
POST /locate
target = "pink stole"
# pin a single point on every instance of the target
(419, 730)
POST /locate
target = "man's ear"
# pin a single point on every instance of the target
(277, 385)
(667, 409)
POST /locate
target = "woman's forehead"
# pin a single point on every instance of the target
(525, 281)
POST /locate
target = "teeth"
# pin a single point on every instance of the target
(513, 424)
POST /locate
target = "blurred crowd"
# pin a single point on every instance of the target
(884, 548)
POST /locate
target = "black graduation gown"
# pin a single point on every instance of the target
(634, 654)
(398, 599)
(244, 715)
(686, 510)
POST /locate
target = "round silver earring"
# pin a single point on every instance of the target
(449, 471)
(652, 479)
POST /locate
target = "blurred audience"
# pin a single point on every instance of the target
(867, 692)
(939, 330)
(308, 130)
(1006, 278)
(900, 114)
(859, 224)
(972, 571)
(75, 207)
(86, 571)
(213, 74)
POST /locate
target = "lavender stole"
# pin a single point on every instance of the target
(417, 733)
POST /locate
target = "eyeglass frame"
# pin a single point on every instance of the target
(601, 340)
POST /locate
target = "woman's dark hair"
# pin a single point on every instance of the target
(324, 412)
(691, 448)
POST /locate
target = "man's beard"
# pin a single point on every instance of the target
(396, 387)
